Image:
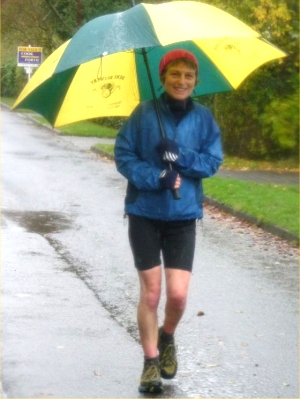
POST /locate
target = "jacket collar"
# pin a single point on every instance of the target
(178, 109)
(177, 105)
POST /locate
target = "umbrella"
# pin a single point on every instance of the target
(104, 69)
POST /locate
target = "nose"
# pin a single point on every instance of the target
(181, 79)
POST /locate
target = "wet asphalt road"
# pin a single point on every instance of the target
(69, 289)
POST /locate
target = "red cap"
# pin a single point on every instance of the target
(175, 54)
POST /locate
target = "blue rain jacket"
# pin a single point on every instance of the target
(200, 155)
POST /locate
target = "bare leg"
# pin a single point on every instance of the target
(177, 283)
(150, 285)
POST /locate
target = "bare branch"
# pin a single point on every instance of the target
(54, 10)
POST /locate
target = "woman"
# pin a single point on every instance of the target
(158, 224)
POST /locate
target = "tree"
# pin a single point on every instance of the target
(42, 23)
(261, 118)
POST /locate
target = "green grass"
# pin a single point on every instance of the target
(107, 148)
(269, 203)
(235, 163)
(88, 129)
(8, 101)
(83, 129)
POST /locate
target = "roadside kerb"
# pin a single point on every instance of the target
(275, 230)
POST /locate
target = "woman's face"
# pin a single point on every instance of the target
(179, 81)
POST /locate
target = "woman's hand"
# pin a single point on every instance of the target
(170, 179)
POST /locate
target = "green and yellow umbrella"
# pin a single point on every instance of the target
(102, 70)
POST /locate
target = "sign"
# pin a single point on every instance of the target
(30, 56)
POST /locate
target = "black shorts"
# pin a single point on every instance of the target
(174, 239)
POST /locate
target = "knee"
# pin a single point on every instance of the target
(151, 296)
(177, 300)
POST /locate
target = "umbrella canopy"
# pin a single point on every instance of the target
(101, 71)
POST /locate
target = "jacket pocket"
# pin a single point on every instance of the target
(131, 193)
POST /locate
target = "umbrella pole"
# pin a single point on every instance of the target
(153, 93)
(175, 192)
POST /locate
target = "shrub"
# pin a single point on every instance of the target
(13, 79)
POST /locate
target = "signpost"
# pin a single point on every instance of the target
(29, 57)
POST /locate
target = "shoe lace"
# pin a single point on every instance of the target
(168, 358)
(151, 373)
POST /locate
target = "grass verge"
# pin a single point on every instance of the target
(282, 165)
(269, 203)
(235, 163)
(88, 129)
(8, 101)
(82, 129)
(106, 149)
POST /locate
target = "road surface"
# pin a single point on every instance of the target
(70, 291)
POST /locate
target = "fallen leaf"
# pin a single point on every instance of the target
(185, 373)
(208, 366)
(200, 313)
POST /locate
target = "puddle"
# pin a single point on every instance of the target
(39, 222)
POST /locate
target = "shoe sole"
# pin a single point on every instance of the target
(151, 389)
(167, 376)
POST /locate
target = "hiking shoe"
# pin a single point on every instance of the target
(150, 379)
(167, 357)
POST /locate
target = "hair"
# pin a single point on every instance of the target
(177, 61)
